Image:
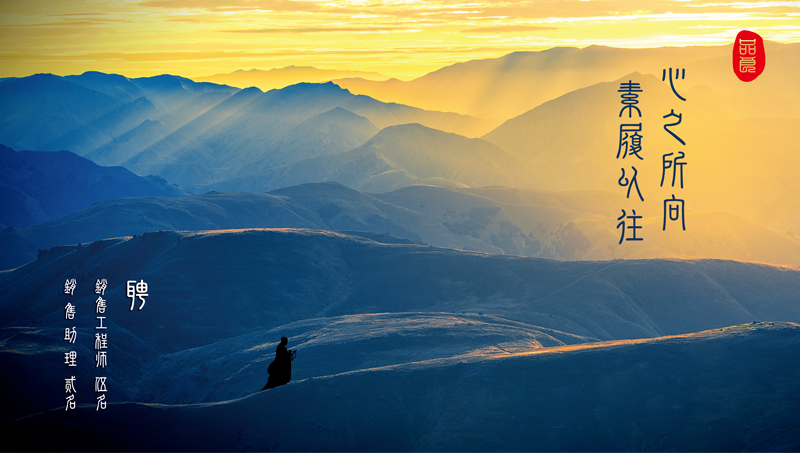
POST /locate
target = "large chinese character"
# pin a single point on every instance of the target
(673, 209)
(623, 181)
(69, 286)
(69, 311)
(633, 227)
(70, 358)
(676, 164)
(747, 64)
(630, 143)
(70, 402)
(747, 47)
(666, 126)
(100, 287)
(69, 385)
(747, 52)
(101, 360)
(100, 384)
(630, 97)
(134, 290)
(101, 341)
(101, 403)
(100, 305)
(101, 326)
(69, 335)
(671, 83)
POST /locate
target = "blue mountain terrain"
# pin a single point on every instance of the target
(571, 225)
(450, 282)
(161, 125)
(37, 186)
(460, 349)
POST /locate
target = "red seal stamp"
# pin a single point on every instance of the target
(749, 57)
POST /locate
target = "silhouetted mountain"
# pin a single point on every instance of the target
(252, 130)
(114, 85)
(563, 225)
(84, 112)
(328, 274)
(283, 77)
(38, 185)
(324, 206)
(109, 118)
(42, 107)
(107, 128)
(574, 140)
(505, 87)
(169, 90)
(399, 156)
(334, 131)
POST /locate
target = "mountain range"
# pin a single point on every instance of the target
(37, 186)
(505, 87)
(277, 78)
(562, 225)
(450, 282)
(377, 320)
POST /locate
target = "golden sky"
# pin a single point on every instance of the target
(402, 38)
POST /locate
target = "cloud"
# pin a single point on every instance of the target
(508, 29)
(216, 5)
(73, 23)
(317, 30)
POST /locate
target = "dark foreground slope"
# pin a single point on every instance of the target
(401, 347)
(728, 390)
(209, 286)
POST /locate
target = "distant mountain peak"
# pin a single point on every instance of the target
(307, 87)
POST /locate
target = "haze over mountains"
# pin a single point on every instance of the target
(451, 282)
(572, 225)
(501, 88)
(37, 186)
(283, 77)
(257, 142)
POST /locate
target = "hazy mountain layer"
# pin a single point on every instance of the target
(38, 186)
(83, 112)
(323, 274)
(194, 134)
(283, 77)
(42, 107)
(563, 225)
(252, 133)
(574, 139)
(399, 156)
(502, 88)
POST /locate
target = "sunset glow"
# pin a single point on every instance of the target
(402, 38)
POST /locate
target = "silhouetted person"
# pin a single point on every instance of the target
(280, 370)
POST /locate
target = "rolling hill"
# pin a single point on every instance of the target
(442, 342)
(730, 390)
(574, 225)
(398, 156)
(277, 78)
(38, 186)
